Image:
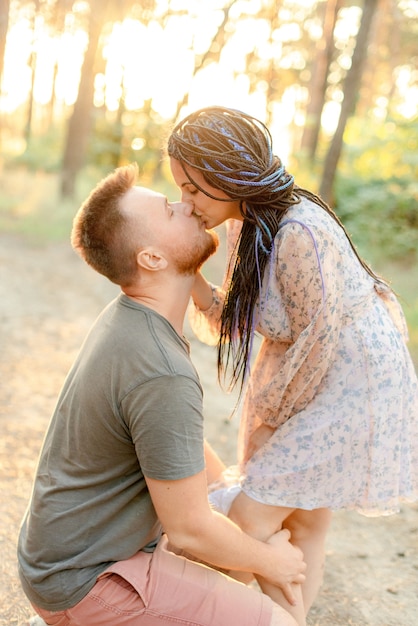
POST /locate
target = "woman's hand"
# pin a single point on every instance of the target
(258, 439)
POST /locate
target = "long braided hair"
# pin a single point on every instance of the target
(234, 152)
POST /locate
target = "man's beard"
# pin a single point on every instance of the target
(190, 262)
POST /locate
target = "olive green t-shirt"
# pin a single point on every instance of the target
(130, 406)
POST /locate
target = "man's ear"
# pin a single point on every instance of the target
(151, 260)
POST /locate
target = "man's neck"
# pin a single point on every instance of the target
(170, 299)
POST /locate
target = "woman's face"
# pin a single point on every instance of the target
(212, 212)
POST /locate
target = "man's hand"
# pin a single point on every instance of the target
(258, 439)
(193, 527)
(291, 567)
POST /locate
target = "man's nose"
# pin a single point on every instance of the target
(186, 208)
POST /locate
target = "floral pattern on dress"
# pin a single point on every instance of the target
(333, 376)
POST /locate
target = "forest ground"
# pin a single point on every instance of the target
(48, 300)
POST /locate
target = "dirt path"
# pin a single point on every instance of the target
(48, 299)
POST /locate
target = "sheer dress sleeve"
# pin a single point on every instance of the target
(309, 277)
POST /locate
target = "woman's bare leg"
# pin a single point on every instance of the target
(280, 617)
(262, 521)
(308, 531)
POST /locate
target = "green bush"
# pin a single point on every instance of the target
(43, 152)
(376, 187)
(381, 216)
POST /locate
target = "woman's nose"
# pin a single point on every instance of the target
(186, 196)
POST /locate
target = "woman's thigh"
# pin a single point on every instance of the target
(257, 519)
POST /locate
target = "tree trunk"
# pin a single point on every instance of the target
(386, 40)
(50, 107)
(79, 125)
(319, 80)
(351, 87)
(4, 25)
(29, 112)
(33, 65)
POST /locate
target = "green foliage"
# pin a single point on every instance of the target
(381, 216)
(377, 199)
(130, 137)
(43, 152)
(104, 148)
(377, 188)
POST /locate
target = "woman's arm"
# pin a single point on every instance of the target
(202, 293)
(209, 299)
(214, 465)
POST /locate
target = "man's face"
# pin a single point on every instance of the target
(171, 227)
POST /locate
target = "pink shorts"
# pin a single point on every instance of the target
(151, 589)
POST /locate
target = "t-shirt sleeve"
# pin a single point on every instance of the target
(164, 416)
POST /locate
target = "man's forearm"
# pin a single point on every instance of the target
(223, 544)
(192, 526)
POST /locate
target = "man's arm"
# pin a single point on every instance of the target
(191, 525)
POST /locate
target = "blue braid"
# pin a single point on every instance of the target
(259, 244)
(266, 229)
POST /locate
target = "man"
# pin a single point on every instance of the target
(123, 468)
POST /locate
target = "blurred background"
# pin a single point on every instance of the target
(86, 86)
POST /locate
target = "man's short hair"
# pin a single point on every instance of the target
(101, 233)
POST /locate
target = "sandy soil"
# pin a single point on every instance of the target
(48, 299)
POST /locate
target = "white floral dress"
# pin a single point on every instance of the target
(333, 376)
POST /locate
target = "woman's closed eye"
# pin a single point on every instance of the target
(190, 190)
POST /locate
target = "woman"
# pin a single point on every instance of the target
(330, 417)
